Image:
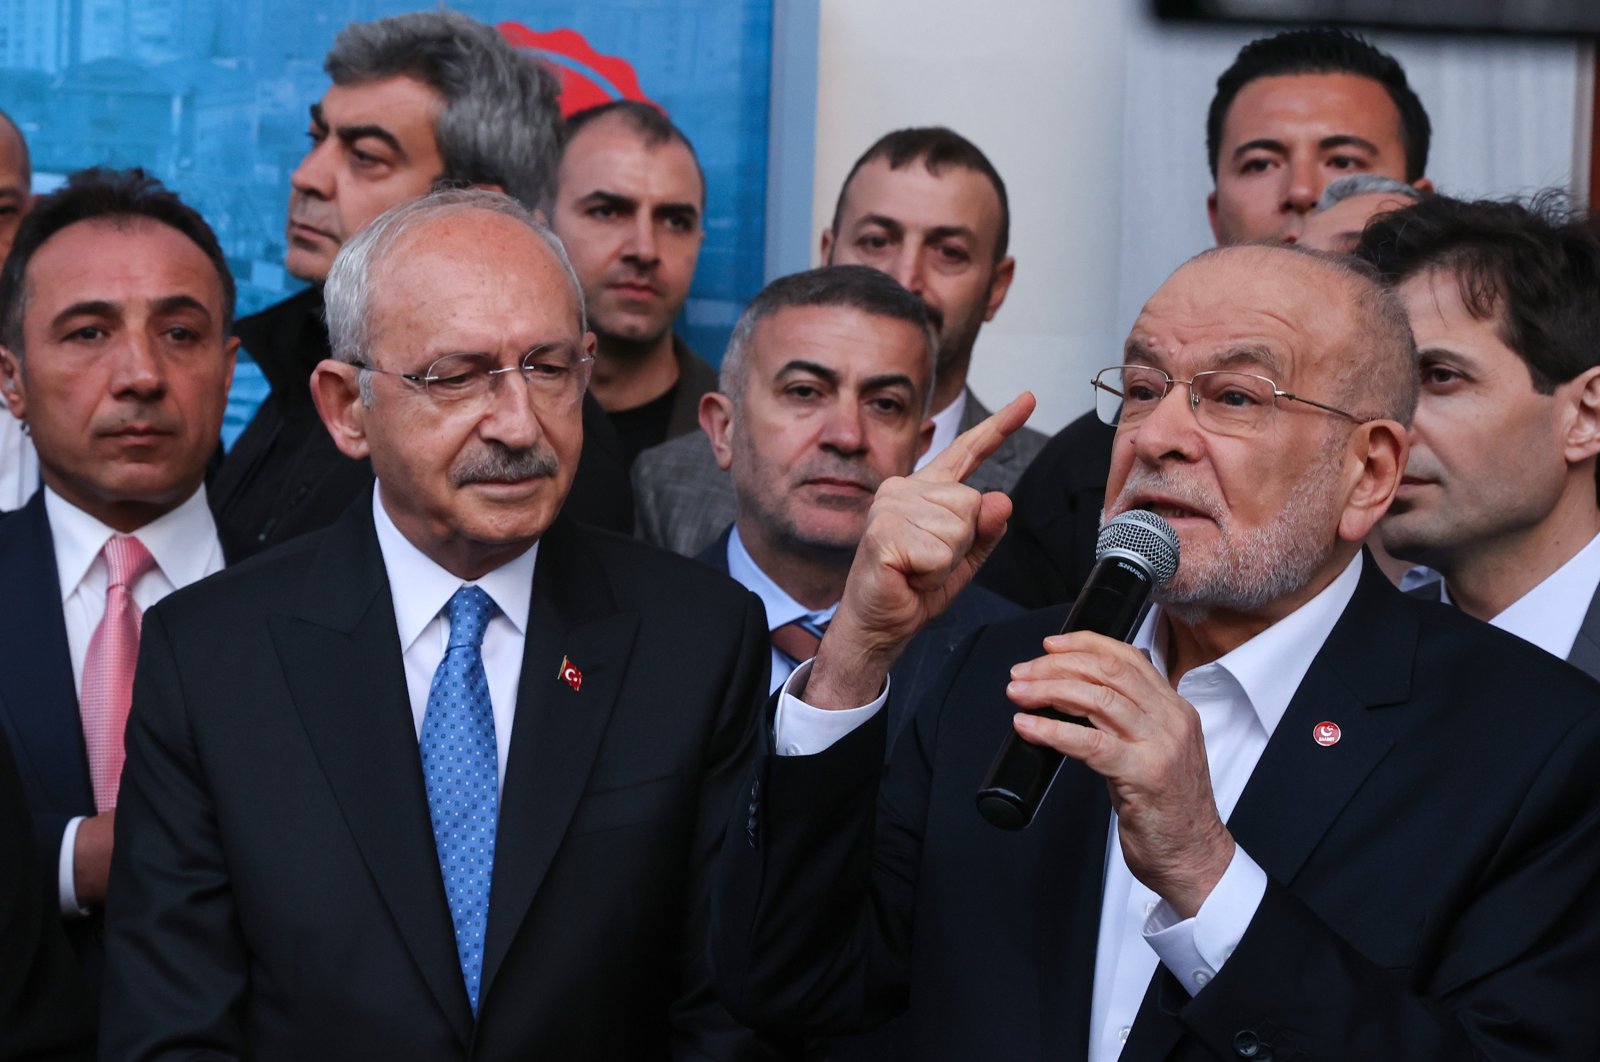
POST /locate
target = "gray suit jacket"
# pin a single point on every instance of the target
(683, 501)
(1585, 655)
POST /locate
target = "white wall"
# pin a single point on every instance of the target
(1095, 117)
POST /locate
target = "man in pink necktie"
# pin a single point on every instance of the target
(115, 312)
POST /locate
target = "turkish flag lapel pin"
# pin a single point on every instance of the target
(570, 674)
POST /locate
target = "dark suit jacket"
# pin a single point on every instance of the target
(683, 500)
(914, 673)
(1434, 877)
(44, 1011)
(1048, 549)
(276, 890)
(284, 476)
(1585, 654)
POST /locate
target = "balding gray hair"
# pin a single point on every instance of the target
(501, 123)
(1367, 184)
(854, 287)
(348, 293)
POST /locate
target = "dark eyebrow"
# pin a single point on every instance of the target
(1340, 140)
(670, 209)
(799, 365)
(1260, 144)
(87, 308)
(316, 116)
(612, 199)
(174, 303)
(1135, 352)
(349, 134)
(882, 221)
(945, 232)
(887, 380)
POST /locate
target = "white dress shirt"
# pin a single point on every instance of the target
(1551, 614)
(1240, 698)
(420, 589)
(185, 547)
(19, 465)
(781, 608)
(946, 426)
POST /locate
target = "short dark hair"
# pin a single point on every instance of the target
(1322, 51)
(935, 147)
(1532, 268)
(856, 287)
(101, 194)
(646, 119)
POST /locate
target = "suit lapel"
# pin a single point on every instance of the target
(38, 700)
(1585, 653)
(340, 653)
(558, 729)
(1073, 825)
(1299, 787)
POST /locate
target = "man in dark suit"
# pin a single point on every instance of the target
(1499, 492)
(336, 749)
(114, 320)
(1295, 112)
(1295, 818)
(824, 392)
(926, 206)
(416, 99)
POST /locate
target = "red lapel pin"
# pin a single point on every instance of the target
(570, 674)
(1326, 734)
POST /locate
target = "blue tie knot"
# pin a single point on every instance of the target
(469, 610)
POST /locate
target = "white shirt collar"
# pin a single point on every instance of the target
(1270, 666)
(181, 541)
(781, 608)
(1551, 614)
(946, 426)
(420, 588)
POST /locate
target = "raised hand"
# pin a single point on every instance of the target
(926, 535)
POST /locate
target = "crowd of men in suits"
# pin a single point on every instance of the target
(518, 685)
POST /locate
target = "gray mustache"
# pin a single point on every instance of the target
(498, 464)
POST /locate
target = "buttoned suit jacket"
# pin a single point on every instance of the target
(1585, 654)
(683, 501)
(39, 699)
(919, 665)
(1433, 877)
(276, 892)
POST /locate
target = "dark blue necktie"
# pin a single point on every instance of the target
(458, 765)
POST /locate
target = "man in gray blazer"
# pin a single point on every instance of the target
(1499, 492)
(927, 207)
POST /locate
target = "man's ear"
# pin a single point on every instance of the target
(1004, 272)
(1377, 452)
(716, 420)
(827, 246)
(924, 437)
(336, 390)
(1211, 216)
(1582, 440)
(1423, 185)
(11, 385)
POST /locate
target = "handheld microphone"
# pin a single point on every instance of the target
(1135, 553)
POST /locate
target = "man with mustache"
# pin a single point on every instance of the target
(824, 395)
(627, 202)
(416, 99)
(1293, 113)
(1294, 818)
(926, 206)
(1499, 492)
(446, 779)
(115, 307)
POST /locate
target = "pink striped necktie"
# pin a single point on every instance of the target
(108, 668)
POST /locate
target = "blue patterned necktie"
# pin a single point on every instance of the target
(458, 765)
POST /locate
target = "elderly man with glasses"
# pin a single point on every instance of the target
(1301, 816)
(448, 778)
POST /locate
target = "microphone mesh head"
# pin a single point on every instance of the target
(1144, 534)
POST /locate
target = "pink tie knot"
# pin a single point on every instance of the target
(126, 560)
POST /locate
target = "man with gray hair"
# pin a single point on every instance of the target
(446, 779)
(1349, 203)
(416, 99)
(825, 391)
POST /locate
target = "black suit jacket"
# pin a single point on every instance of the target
(285, 477)
(913, 675)
(1434, 877)
(276, 891)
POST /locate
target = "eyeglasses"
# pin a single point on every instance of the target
(1228, 403)
(555, 375)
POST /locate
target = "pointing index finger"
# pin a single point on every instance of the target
(975, 445)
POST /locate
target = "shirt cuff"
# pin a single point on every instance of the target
(799, 729)
(66, 879)
(1194, 949)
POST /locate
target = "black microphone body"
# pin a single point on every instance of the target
(1111, 602)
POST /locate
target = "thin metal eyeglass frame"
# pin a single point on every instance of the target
(1194, 399)
(427, 375)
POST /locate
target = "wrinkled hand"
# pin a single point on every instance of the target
(91, 858)
(926, 535)
(1147, 744)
